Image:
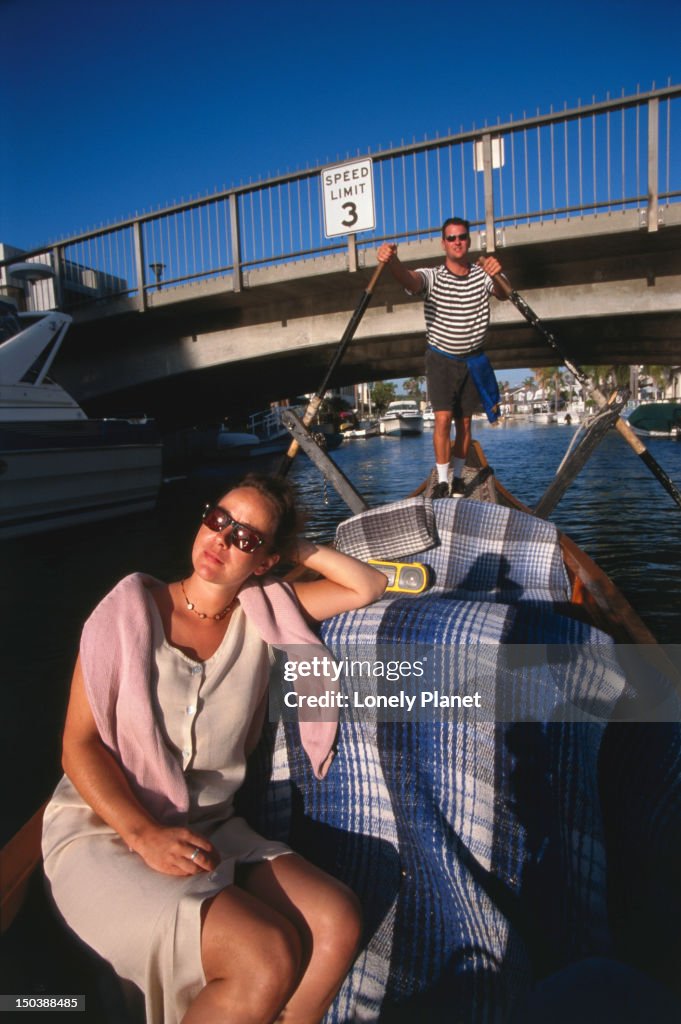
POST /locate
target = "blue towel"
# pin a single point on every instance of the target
(482, 373)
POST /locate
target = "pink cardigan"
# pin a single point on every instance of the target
(116, 652)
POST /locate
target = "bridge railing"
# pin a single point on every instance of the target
(619, 154)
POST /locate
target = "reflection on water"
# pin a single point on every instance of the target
(616, 511)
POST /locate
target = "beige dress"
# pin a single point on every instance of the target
(147, 924)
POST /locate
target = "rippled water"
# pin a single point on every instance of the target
(616, 511)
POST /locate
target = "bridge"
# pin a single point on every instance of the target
(228, 301)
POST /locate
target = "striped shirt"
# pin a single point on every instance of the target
(456, 308)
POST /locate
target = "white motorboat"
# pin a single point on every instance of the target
(364, 429)
(57, 466)
(543, 417)
(402, 418)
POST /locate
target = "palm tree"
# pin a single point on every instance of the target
(382, 394)
(549, 379)
(414, 387)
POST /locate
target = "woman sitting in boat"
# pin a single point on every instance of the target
(146, 859)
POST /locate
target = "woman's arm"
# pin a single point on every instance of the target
(347, 582)
(100, 780)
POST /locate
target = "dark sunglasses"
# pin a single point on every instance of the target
(242, 537)
(457, 238)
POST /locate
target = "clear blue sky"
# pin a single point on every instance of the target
(113, 108)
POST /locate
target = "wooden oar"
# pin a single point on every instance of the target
(316, 400)
(621, 425)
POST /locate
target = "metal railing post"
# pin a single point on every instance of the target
(139, 260)
(490, 242)
(352, 254)
(58, 276)
(653, 162)
(236, 241)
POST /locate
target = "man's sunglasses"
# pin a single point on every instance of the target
(457, 238)
(242, 537)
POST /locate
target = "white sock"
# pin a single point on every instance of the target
(458, 465)
(442, 472)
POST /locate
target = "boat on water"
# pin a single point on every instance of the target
(58, 467)
(543, 416)
(521, 829)
(273, 437)
(364, 429)
(234, 445)
(402, 418)
(657, 419)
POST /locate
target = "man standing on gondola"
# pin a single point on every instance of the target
(460, 377)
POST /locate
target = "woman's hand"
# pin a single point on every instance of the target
(100, 780)
(172, 851)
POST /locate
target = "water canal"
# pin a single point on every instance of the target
(616, 511)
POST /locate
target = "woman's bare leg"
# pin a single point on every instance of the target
(252, 959)
(326, 915)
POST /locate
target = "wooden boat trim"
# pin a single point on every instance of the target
(18, 860)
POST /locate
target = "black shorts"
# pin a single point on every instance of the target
(450, 386)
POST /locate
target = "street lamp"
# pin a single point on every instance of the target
(157, 269)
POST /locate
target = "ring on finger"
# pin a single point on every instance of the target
(197, 851)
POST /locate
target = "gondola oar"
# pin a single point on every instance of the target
(316, 400)
(621, 425)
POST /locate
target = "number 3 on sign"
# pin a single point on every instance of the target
(348, 191)
(353, 216)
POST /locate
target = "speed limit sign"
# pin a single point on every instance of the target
(348, 198)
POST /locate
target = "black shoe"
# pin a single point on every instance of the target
(441, 490)
(458, 488)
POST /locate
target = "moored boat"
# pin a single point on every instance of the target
(543, 416)
(232, 444)
(57, 466)
(402, 418)
(364, 429)
(273, 437)
(657, 419)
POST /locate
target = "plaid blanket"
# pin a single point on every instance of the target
(484, 552)
(389, 531)
(485, 849)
